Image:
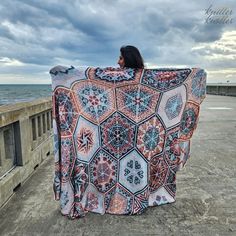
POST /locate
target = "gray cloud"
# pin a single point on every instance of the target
(43, 33)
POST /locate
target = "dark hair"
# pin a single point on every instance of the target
(132, 57)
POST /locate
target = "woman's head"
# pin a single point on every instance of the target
(130, 57)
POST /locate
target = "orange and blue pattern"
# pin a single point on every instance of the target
(121, 135)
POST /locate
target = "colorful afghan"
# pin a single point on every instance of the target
(120, 136)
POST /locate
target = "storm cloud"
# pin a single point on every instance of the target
(36, 35)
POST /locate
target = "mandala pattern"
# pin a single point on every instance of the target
(118, 201)
(103, 171)
(158, 173)
(117, 135)
(118, 204)
(93, 200)
(86, 139)
(189, 121)
(66, 111)
(140, 202)
(115, 76)
(95, 101)
(133, 172)
(172, 147)
(67, 158)
(170, 184)
(164, 79)
(151, 137)
(121, 135)
(136, 101)
(129, 172)
(197, 85)
(80, 179)
(172, 106)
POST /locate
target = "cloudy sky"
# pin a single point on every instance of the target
(36, 35)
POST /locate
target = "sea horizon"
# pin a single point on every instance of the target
(14, 93)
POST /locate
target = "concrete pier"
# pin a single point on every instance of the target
(205, 202)
(25, 141)
(226, 89)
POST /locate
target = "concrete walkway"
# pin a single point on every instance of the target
(206, 192)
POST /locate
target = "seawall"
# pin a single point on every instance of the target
(25, 141)
(222, 89)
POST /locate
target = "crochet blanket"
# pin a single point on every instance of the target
(120, 135)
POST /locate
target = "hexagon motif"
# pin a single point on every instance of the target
(118, 200)
(117, 135)
(151, 137)
(172, 147)
(160, 197)
(118, 204)
(197, 85)
(95, 101)
(170, 184)
(86, 139)
(189, 120)
(80, 179)
(158, 173)
(164, 79)
(140, 202)
(133, 172)
(103, 171)
(67, 111)
(67, 158)
(136, 101)
(172, 105)
(115, 76)
(93, 200)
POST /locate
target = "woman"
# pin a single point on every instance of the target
(130, 57)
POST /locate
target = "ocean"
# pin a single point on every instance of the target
(13, 93)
